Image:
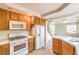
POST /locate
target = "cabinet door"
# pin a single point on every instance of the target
(55, 45)
(41, 21)
(44, 22)
(14, 16)
(23, 18)
(5, 49)
(4, 17)
(29, 22)
(37, 20)
(30, 44)
(67, 49)
(60, 46)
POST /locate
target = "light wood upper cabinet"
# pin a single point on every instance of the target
(5, 49)
(14, 16)
(39, 21)
(23, 18)
(35, 20)
(4, 19)
(5, 16)
(42, 22)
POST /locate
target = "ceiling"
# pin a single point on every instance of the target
(39, 9)
(67, 11)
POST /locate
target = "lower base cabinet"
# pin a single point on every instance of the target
(62, 48)
(30, 44)
(67, 49)
(57, 47)
(5, 49)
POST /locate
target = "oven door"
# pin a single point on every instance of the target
(19, 47)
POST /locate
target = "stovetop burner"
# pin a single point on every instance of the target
(17, 38)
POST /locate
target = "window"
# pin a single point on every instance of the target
(71, 28)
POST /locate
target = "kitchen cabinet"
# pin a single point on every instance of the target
(39, 21)
(67, 49)
(35, 20)
(5, 49)
(22, 18)
(29, 22)
(57, 46)
(30, 44)
(62, 48)
(14, 16)
(4, 19)
(42, 21)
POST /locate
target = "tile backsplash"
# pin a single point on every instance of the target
(3, 35)
(13, 33)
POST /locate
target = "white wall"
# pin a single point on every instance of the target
(60, 29)
(3, 35)
(48, 39)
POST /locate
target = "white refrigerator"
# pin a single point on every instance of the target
(40, 37)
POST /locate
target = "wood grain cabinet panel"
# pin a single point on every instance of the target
(30, 44)
(67, 49)
(4, 19)
(23, 18)
(39, 21)
(5, 49)
(14, 16)
(35, 20)
(57, 46)
(62, 47)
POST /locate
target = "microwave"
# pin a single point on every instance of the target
(17, 25)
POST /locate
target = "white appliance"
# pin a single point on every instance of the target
(39, 36)
(42, 34)
(18, 44)
(17, 25)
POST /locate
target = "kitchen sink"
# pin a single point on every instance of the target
(74, 40)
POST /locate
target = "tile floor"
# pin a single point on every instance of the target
(42, 52)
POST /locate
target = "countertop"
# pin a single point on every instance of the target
(4, 41)
(30, 36)
(68, 40)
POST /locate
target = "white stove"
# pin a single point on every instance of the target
(18, 44)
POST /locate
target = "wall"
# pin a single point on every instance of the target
(13, 33)
(60, 29)
(48, 39)
(3, 35)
